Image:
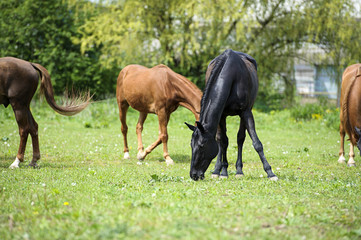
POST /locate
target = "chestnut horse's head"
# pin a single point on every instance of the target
(358, 131)
(204, 149)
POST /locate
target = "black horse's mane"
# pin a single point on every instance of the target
(218, 65)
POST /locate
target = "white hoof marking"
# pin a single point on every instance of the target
(141, 155)
(351, 162)
(239, 175)
(15, 164)
(215, 176)
(275, 178)
(341, 159)
(169, 161)
(126, 155)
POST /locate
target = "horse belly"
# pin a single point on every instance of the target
(238, 101)
(140, 100)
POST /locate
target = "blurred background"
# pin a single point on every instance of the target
(301, 47)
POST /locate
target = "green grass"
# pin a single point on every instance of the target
(85, 190)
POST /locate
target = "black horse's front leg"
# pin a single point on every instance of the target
(222, 140)
(241, 136)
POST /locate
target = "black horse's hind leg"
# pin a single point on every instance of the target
(241, 136)
(249, 121)
(222, 140)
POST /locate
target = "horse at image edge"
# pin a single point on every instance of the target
(18, 82)
(350, 112)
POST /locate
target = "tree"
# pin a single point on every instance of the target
(333, 26)
(42, 32)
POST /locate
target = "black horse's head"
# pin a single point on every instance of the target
(204, 149)
(358, 131)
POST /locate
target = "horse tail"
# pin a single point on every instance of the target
(71, 106)
(348, 127)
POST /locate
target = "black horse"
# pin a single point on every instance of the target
(231, 89)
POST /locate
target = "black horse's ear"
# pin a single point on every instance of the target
(200, 127)
(191, 127)
(358, 131)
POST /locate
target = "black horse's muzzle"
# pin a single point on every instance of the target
(197, 175)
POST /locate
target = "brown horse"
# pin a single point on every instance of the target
(18, 82)
(350, 113)
(156, 90)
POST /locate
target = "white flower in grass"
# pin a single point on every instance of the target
(73, 184)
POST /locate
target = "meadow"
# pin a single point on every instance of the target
(84, 189)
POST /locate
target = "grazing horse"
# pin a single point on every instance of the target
(156, 90)
(231, 89)
(18, 82)
(350, 113)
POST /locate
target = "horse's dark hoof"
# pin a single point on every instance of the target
(34, 165)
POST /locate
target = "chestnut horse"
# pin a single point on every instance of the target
(18, 82)
(231, 89)
(350, 113)
(156, 90)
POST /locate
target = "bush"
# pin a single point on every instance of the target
(319, 112)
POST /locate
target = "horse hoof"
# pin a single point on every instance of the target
(214, 176)
(239, 175)
(126, 155)
(141, 156)
(169, 161)
(15, 164)
(351, 165)
(341, 160)
(223, 177)
(275, 178)
(33, 165)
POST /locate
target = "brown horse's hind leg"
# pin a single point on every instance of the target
(139, 129)
(123, 108)
(341, 153)
(351, 162)
(21, 116)
(33, 129)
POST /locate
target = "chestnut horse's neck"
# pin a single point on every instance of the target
(188, 94)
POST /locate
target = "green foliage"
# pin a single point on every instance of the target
(322, 111)
(45, 36)
(85, 44)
